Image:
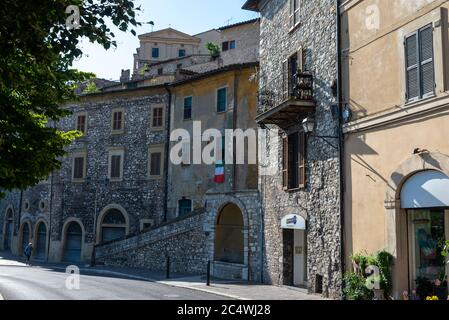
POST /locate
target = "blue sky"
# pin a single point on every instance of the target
(190, 16)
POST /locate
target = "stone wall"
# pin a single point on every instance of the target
(319, 201)
(182, 240)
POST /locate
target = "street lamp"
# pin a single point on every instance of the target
(308, 125)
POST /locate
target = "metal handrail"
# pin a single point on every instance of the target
(284, 87)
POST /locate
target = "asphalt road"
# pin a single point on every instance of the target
(38, 283)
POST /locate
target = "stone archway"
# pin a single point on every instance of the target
(396, 240)
(41, 238)
(25, 236)
(215, 224)
(73, 235)
(229, 237)
(118, 226)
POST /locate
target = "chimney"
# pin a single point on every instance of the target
(126, 75)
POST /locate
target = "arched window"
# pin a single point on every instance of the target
(229, 242)
(9, 229)
(185, 206)
(113, 226)
(73, 242)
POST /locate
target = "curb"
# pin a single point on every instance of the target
(129, 276)
(204, 290)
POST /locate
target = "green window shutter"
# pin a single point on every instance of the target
(188, 108)
(412, 70)
(426, 61)
(221, 99)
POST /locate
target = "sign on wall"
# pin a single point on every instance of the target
(293, 221)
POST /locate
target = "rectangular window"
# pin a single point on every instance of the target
(156, 161)
(185, 207)
(158, 118)
(79, 167)
(293, 162)
(222, 99)
(232, 44)
(155, 53)
(295, 7)
(116, 167)
(155, 164)
(81, 123)
(160, 71)
(182, 53)
(225, 46)
(420, 77)
(187, 108)
(117, 121)
(179, 66)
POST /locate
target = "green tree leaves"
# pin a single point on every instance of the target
(36, 52)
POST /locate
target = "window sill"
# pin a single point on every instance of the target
(293, 190)
(222, 112)
(78, 180)
(155, 178)
(115, 179)
(118, 132)
(416, 101)
(157, 128)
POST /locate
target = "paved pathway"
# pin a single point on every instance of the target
(219, 289)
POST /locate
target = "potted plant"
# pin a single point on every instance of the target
(214, 50)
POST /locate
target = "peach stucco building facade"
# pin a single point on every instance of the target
(395, 74)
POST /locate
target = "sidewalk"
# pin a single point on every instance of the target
(232, 289)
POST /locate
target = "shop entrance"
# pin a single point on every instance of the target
(294, 251)
(425, 201)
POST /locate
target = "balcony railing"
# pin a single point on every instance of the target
(286, 87)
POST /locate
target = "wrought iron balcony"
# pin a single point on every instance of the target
(286, 98)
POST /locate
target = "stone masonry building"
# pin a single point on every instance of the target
(300, 191)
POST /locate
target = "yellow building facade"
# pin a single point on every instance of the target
(395, 79)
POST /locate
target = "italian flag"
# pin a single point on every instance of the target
(219, 172)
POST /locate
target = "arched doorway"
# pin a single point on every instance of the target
(425, 200)
(26, 232)
(229, 237)
(40, 245)
(9, 229)
(113, 226)
(73, 242)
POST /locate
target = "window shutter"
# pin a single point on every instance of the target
(292, 13)
(285, 74)
(155, 164)
(296, 11)
(302, 160)
(301, 62)
(426, 61)
(78, 172)
(115, 166)
(285, 163)
(412, 60)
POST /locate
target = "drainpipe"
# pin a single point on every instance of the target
(167, 148)
(20, 215)
(234, 126)
(341, 139)
(49, 216)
